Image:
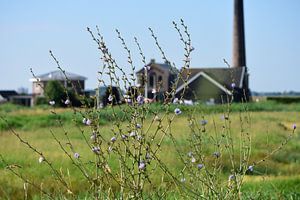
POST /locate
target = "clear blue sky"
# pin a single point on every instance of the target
(29, 29)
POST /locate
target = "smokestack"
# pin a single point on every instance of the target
(239, 50)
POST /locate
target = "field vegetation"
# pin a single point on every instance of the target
(271, 123)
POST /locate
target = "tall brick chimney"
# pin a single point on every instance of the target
(239, 50)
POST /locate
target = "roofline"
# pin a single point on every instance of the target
(208, 78)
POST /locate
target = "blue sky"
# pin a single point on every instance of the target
(29, 29)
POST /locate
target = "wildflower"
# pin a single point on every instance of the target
(93, 136)
(76, 155)
(96, 150)
(217, 154)
(67, 102)
(140, 99)
(132, 134)
(113, 139)
(193, 159)
(175, 101)
(147, 156)
(110, 98)
(52, 102)
(250, 168)
(139, 137)
(41, 159)
(190, 154)
(142, 166)
(232, 85)
(294, 126)
(124, 137)
(177, 111)
(231, 177)
(203, 122)
(84, 120)
(154, 91)
(182, 180)
(200, 166)
(138, 126)
(88, 122)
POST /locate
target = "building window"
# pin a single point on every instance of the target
(152, 80)
(160, 79)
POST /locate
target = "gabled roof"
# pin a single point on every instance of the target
(207, 77)
(58, 75)
(152, 64)
(7, 93)
(224, 77)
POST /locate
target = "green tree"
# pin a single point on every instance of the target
(54, 91)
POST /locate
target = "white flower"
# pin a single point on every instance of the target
(96, 150)
(142, 166)
(41, 159)
(67, 102)
(88, 122)
(154, 91)
(84, 120)
(132, 134)
(52, 102)
(110, 98)
(76, 155)
(193, 159)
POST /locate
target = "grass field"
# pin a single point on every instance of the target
(276, 178)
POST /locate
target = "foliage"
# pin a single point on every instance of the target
(54, 91)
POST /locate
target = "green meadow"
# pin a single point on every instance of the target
(271, 123)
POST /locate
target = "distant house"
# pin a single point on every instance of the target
(160, 77)
(197, 84)
(72, 81)
(6, 94)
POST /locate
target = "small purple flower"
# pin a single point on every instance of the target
(231, 177)
(67, 102)
(142, 166)
(217, 154)
(251, 168)
(140, 99)
(113, 139)
(232, 85)
(200, 166)
(177, 111)
(203, 122)
(52, 103)
(76, 155)
(124, 137)
(294, 126)
(96, 150)
(88, 122)
(138, 126)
